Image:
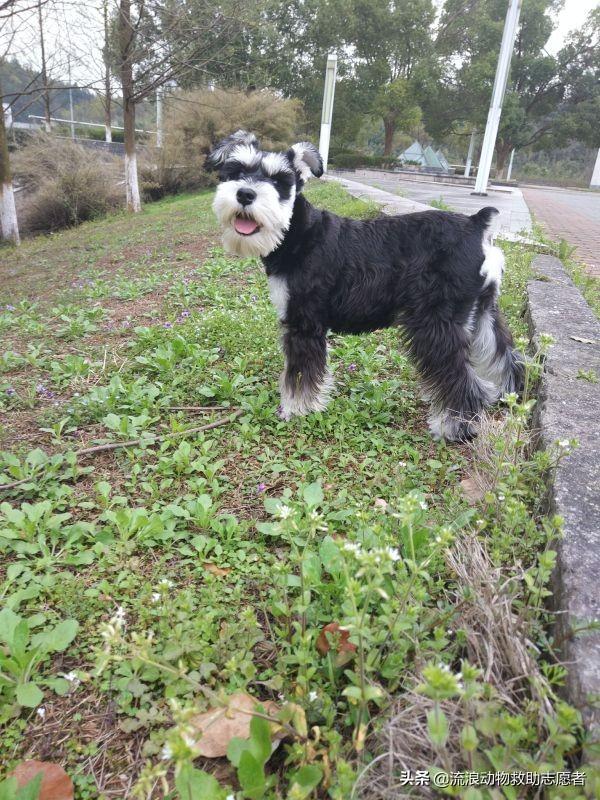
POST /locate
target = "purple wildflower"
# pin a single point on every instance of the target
(8, 307)
(261, 488)
(185, 314)
(351, 367)
(10, 391)
(167, 324)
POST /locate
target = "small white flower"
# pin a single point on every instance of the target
(41, 712)
(393, 553)
(444, 667)
(423, 505)
(166, 583)
(71, 677)
(167, 753)
(284, 512)
(312, 696)
(402, 463)
(563, 443)
(119, 615)
(156, 597)
(230, 797)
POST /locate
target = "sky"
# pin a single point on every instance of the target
(571, 17)
(81, 23)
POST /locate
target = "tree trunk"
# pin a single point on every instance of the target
(107, 93)
(46, 90)
(390, 129)
(502, 153)
(126, 35)
(9, 226)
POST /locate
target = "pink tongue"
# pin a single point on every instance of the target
(245, 226)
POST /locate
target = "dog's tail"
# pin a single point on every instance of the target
(486, 219)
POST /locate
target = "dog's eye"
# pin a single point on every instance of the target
(283, 179)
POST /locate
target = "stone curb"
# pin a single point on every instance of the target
(569, 407)
(392, 204)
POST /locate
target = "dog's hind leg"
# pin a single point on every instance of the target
(492, 352)
(457, 394)
(306, 382)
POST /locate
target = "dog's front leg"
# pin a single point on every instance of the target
(306, 382)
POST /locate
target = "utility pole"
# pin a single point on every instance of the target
(71, 99)
(328, 94)
(510, 164)
(470, 154)
(595, 182)
(500, 81)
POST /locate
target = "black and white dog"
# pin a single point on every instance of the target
(434, 274)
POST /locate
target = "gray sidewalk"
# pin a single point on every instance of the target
(514, 213)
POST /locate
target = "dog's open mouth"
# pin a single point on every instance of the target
(245, 226)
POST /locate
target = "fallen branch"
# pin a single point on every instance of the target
(200, 408)
(103, 448)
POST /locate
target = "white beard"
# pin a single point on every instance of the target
(268, 211)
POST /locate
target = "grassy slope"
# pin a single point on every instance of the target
(137, 316)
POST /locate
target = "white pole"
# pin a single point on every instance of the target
(328, 93)
(493, 120)
(595, 182)
(470, 154)
(159, 118)
(71, 102)
(510, 164)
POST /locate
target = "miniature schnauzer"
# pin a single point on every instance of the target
(434, 274)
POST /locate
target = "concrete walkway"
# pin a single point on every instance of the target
(514, 213)
(571, 215)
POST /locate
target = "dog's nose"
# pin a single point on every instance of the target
(245, 196)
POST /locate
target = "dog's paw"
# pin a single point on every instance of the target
(451, 427)
(284, 414)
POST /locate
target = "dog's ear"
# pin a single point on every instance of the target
(220, 152)
(306, 160)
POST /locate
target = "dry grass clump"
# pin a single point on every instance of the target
(64, 184)
(497, 642)
(195, 120)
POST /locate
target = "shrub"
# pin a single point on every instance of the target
(64, 184)
(195, 120)
(352, 159)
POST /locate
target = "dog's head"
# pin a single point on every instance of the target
(255, 198)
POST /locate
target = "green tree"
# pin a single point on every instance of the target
(396, 105)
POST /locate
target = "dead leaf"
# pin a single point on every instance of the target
(581, 339)
(338, 637)
(472, 492)
(220, 572)
(56, 784)
(218, 726)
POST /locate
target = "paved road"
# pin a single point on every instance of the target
(514, 214)
(570, 215)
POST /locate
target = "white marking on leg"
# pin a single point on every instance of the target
(304, 401)
(483, 355)
(280, 294)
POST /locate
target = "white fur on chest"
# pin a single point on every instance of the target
(279, 293)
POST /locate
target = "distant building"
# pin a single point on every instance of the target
(425, 157)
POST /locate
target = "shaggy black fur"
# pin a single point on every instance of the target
(419, 271)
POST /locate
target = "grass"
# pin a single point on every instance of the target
(311, 564)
